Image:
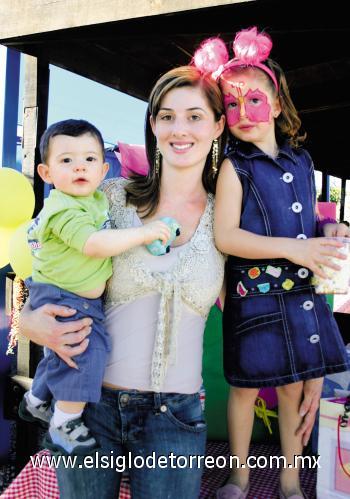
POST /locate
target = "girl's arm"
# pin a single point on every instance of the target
(309, 406)
(232, 240)
(222, 295)
(111, 242)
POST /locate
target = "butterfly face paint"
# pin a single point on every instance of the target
(254, 105)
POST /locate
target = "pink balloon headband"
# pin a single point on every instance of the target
(250, 48)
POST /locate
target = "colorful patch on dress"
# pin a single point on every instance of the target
(274, 271)
(241, 290)
(288, 284)
(254, 272)
(264, 287)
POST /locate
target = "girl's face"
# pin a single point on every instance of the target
(185, 128)
(250, 105)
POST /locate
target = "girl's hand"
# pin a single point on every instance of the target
(336, 230)
(309, 407)
(313, 252)
(41, 327)
(155, 230)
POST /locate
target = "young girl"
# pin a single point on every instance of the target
(277, 331)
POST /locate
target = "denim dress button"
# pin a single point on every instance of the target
(303, 273)
(301, 236)
(163, 408)
(314, 338)
(86, 305)
(308, 305)
(297, 207)
(287, 177)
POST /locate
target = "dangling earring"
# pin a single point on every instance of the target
(215, 157)
(157, 162)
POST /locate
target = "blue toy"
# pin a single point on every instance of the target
(157, 248)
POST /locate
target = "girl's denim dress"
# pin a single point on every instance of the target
(276, 329)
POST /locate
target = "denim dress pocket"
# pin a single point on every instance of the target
(249, 345)
(185, 412)
(258, 321)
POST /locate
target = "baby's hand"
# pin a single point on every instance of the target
(336, 230)
(313, 252)
(155, 230)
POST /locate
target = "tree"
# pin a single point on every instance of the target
(335, 194)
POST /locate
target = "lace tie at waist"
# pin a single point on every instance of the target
(165, 345)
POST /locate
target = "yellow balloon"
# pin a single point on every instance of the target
(5, 236)
(17, 198)
(20, 255)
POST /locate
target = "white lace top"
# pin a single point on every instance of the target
(195, 279)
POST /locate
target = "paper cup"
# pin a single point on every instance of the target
(337, 281)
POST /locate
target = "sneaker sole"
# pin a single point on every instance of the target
(79, 450)
(26, 416)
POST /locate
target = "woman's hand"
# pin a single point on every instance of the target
(41, 327)
(336, 230)
(313, 252)
(309, 407)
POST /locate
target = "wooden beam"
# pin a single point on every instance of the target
(120, 71)
(319, 74)
(326, 107)
(23, 17)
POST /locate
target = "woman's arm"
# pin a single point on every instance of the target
(336, 230)
(41, 327)
(232, 240)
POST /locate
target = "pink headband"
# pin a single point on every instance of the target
(250, 48)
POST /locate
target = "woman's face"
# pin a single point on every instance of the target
(250, 105)
(185, 128)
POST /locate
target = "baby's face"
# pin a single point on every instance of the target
(75, 165)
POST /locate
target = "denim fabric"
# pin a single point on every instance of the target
(138, 425)
(276, 329)
(53, 377)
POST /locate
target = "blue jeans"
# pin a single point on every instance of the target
(133, 426)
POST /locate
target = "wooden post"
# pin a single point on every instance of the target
(36, 96)
(342, 198)
(325, 187)
(36, 91)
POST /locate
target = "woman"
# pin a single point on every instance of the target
(155, 308)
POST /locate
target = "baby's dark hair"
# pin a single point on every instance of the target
(72, 128)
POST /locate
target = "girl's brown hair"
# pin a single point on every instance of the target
(288, 122)
(144, 191)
